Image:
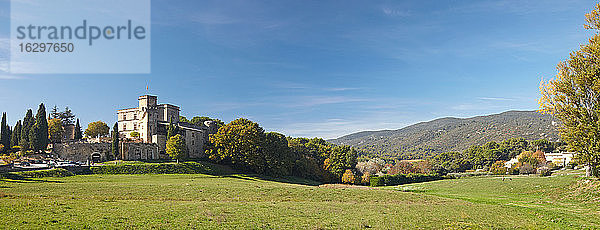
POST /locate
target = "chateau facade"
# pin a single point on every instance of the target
(151, 120)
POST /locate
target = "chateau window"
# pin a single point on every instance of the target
(134, 116)
(134, 126)
(124, 126)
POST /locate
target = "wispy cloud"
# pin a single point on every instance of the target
(496, 99)
(11, 77)
(309, 101)
(341, 89)
(392, 12)
(336, 127)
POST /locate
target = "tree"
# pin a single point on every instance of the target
(183, 119)
(54, 113)
(28, 123)
(526, 168)
(4, 133)
(450, 162)
(67, 116)
(172, 130)
(340, 159)
(348, 177)
(97, 129)
(277, 154)
(573, 97)
(38, 135)
(16, 134)
(114, 147)
(403, 167)
(513, 147)
(176, 147)
(542, 145)
(371, 167)
(55, 130)
(498, 168)
(199, 121)
(366, 177)
(530, 158)
(78, 133)
(135, 134)
(239, 143)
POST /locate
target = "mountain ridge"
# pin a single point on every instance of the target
(452, 134)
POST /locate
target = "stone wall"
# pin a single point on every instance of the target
(81, 151)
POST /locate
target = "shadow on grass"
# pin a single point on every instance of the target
(14, 178)
(287, 179)
(226, 171)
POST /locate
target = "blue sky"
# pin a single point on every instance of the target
(326, 69)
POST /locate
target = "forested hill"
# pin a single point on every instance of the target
(452, 134)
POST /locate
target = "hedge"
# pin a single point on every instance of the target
(47, 173)
(160, 168)
(37, 174)
(399, 179)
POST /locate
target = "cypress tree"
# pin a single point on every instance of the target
(4, 133)
(78, 132)
(115, 140)
(38, 135)
(16, 134)
(27, 124)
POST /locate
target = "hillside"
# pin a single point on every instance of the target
(452, 134)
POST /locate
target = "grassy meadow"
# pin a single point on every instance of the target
(239, 201)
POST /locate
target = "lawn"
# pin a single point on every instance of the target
(239, 201)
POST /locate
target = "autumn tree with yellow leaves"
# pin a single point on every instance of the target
(573, 97)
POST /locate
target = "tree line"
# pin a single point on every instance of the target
(245, 145)
(34, 133)
(484, 156)
(31, 134)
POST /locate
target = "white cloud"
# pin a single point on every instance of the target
(11, 77)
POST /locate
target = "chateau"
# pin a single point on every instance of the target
(152, 120)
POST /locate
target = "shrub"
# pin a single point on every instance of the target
(348, 177)
(376, 181)
(365, 178)
(514, 170)
(544, 171)
(526, 169)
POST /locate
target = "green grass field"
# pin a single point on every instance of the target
(238, 201)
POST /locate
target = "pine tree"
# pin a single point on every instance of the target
(38, 135)
(16, 134)
(67, 116)
(78, 132)
(27, 124)
(54, 113)
(4, 133)
(115, 140)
